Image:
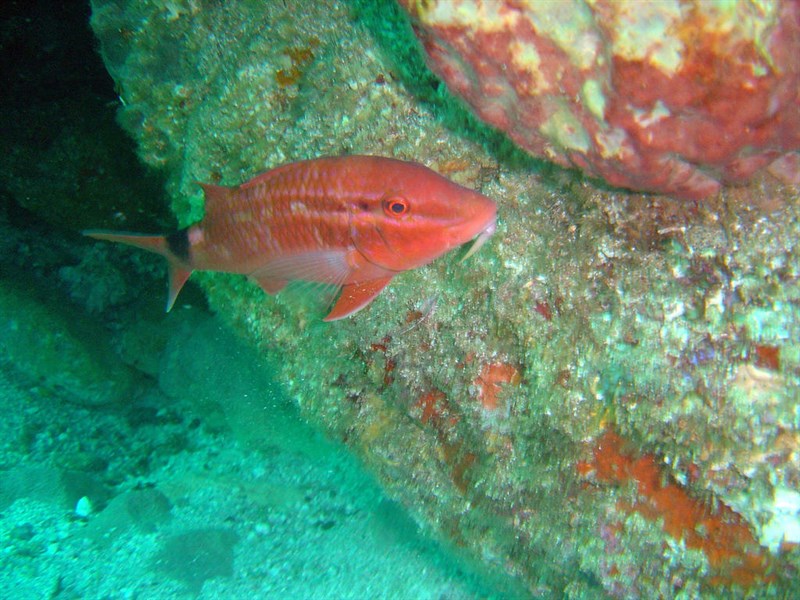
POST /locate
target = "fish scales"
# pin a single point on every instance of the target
(269, 224)
(353, 221)
(296, 210)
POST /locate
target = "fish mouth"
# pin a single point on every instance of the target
(480, 239)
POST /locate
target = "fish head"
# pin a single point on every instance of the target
(418, 216)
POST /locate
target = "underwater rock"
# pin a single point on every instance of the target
(146, 510)
(195, 556)
(78, 172)
(61, 487)
(61, 156)
(673, 323)
(223, 379)
(669, 97)
(56, 348)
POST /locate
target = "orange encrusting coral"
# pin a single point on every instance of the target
(767, 357)
(732, 552)
(492, 379)
(434, 406)
(437, 414)
(721, 107)
(301, 57)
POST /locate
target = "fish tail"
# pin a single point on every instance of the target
(159, 244)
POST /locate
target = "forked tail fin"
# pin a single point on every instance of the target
(178, 271)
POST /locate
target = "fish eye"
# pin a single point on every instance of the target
(395, 207)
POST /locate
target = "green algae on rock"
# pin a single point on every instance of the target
(676, 324)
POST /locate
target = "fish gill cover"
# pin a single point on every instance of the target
(478, 392)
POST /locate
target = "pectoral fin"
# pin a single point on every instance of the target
(356, 296)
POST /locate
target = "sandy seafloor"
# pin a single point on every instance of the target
(182, 509)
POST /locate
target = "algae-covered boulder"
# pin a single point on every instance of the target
(602, 400)
(55, 347)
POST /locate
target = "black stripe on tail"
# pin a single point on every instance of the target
(178, 244)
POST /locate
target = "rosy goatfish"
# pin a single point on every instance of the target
(353, 222)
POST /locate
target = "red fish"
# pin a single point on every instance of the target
(353, 222)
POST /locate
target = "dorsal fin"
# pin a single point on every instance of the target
(216, 196)
(267, 175)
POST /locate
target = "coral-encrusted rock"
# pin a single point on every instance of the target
(672, 97)
(478, 393)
